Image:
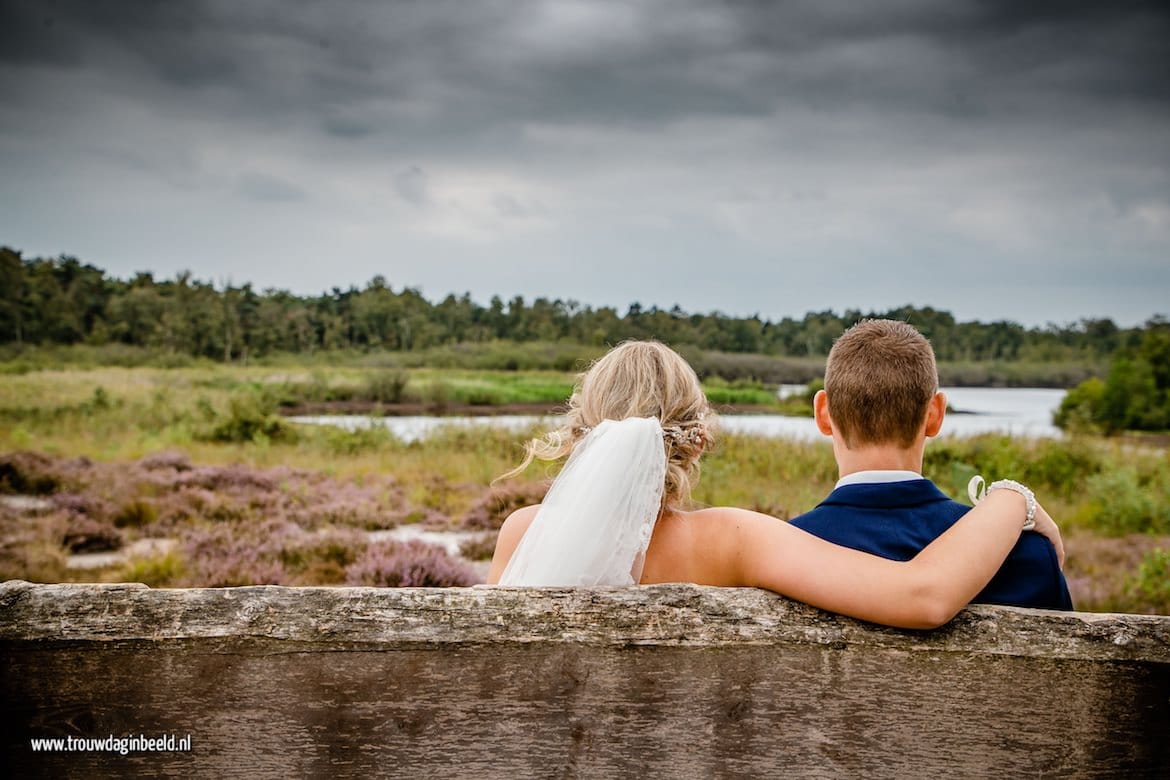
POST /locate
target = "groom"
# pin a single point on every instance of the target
(880, 405)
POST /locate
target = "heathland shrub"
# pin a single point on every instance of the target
(387, 386)
(1062, 466)
(1122, 502)
(157, 571)
(1049, 466)
(135, 513)
(234, 525)
(483, 396)
(169, 460)
(494, 506)
(34, 560)
(85, 534)
(410, 564)
(100, 401)
(436, 394)
(238, 554)
(1151, 585)
(322, 558)
(250, 417)
(480, 547)
(365, 438)
(28, 472)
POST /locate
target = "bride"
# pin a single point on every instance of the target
(637, 425)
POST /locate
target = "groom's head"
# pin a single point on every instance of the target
(881, 387)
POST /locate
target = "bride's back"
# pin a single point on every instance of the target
(698, 547)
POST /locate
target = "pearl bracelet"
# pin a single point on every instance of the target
(976, 491)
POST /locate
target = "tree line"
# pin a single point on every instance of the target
(45, 301)
(1133, 396)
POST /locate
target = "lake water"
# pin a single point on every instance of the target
(1016, 411)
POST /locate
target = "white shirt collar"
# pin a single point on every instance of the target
(877, 477)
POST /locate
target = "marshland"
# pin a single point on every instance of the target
(194, 475)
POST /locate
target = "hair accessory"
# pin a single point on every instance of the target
(677, 435)
(977, 492)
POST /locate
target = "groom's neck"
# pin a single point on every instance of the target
(878, 457)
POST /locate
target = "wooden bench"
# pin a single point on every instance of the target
(663, 681)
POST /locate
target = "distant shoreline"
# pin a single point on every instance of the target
(420, 409)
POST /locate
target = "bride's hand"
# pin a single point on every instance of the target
(1046, 527)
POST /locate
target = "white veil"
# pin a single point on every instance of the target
(595, 523)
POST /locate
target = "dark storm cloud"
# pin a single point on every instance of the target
(1024, 134)
(436, 74)
(325, 51)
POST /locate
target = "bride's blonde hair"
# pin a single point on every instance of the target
(639, 379)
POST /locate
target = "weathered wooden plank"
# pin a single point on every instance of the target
(661, 614)
(667, 681)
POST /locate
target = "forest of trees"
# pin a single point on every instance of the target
(65, 301)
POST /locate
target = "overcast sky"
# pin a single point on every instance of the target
(997, 159)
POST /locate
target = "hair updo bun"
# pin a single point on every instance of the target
(639, 379)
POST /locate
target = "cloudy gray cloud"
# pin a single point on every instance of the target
(411, 184)
(999, 159)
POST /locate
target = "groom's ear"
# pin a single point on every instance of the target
(821, 413)
(935, 412)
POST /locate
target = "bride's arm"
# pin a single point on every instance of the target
(925, 592)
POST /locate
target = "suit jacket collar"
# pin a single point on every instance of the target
(889, 495)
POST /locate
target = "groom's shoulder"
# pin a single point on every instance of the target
(908, 497)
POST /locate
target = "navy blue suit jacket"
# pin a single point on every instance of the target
(897, 519)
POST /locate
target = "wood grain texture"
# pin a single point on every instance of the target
(662, 681)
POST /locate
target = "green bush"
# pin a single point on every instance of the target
(159, 571)
(369, 438)
(1081, 408)
(136, 513)
(1151, 584)
(387, 386)
(1121, 502)
(250, 417)
(436, 394)
(1062, 467)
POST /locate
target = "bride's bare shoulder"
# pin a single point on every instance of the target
(511, 532)
(716, 516)
(703, 546)
(732, 527)
(517, 522)
(716, 526)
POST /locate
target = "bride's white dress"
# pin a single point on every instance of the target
(595, 523)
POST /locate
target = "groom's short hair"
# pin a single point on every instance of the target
(879, 379)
